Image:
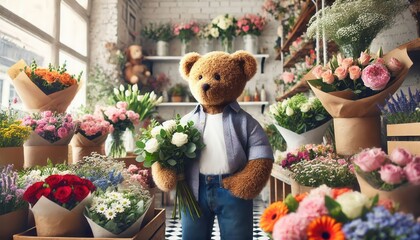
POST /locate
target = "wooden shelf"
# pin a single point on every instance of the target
(301, 86)
(300, 25)
(299, 55)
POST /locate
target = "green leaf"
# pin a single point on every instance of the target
(319, 117)
(375, 200)
(147, 163)
(162, 133)
(140, 158)
(318, 83)
(334, 208)
(138, 151)
(171, 162)
(191, 147)
(291, 203)
(190, 155)
(179, 128)
(140, 144)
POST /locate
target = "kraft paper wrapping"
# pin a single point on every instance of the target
(13, 223)
(34, 100)
(340, 104)
(37, 150)
(298, 188)
(12, 155)
(295, 140)
(100, 232)
(52, 220)
(150, 213)
(81, 146)
(407, 196)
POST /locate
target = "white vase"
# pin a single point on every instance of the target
(162, 48)
(207, 45)
(251, 43)
(185, 48)
(294, 140)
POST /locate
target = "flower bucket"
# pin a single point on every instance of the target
(251, 43)
(81, 146)
(37, 150)
(52, 220)
(12, 155)
(407, 196)
(295, 140)
(403, 130)
(297, 188)
(13, 223)
(357, 122)
(162, 48)
(34, 100)
(100, 232)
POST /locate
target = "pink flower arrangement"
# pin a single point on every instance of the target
(186, 31)
(288, 77)
(365, 76)
(250, 24)
(92, 126)
(121, 118)
(400, 167)
(274, 8)
(50, 126)
(143, 176)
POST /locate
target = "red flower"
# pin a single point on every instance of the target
(54, 181)
(63, 194)
(88, 184)
(72, 179)
(30, 193)
(80, 192)
(43, 192)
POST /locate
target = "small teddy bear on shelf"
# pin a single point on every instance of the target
(236, 163)
(134, 71)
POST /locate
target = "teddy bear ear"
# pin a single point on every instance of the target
(187, 63)
(247, 62)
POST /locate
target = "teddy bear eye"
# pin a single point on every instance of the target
(217, 76)
(200, 77)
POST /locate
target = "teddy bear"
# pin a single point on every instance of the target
(236, 163)
(134, 71)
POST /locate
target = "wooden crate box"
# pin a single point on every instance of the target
(403, 130)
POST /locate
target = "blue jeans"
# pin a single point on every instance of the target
(234, 214)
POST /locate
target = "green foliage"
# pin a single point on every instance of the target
(334, 208)
(291, 203)
(158, 32)
(178, 89)
(274, 137)
(100, 86)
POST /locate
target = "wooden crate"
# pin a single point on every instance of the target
(280, 184)
(404, 130)
(154, 230)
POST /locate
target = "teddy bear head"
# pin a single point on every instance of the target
(134, 54)
(217, 78)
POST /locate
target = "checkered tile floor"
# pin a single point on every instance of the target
(174, 228)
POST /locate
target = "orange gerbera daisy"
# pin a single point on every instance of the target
(325, 227)
(299, 197)
(271, 214)
(338, 191)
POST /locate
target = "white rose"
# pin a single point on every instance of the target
(352, 203)
(305, 107)
(214, 32)
(156, 131)
(152, 145)
(273, 109)
(169, 125)
(289, 111)
(179, 139)
(223, 25)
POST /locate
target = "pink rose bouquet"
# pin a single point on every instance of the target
(388, 172)
(250, 24)
(50, 126)
(186, 31)
(92, 126)
(143, 176)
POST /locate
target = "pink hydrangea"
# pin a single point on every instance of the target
(291, 227)
(376, 76)
(312, 207)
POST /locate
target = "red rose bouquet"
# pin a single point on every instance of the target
(58, 203)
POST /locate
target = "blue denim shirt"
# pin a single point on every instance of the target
(245, 140)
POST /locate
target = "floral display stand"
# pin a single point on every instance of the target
(154, 230)
(403, 130)
(280, 184)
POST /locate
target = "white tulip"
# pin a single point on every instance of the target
(135, 88)
(179, 139)
(352, 203)
(152, 145)
(159, 100)
(116, 92)
(152, 96)
(305, 107)
(122, 88)
(156, 131)
(284, 103)
(273, 109)
(127, 93)
(289, 111)
(140, 97)
(169, 125)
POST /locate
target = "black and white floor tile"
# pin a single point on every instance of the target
(174, 229)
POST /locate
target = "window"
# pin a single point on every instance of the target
(31, 30)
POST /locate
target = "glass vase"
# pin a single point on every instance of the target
(227, 45)
(185, 47)
(207, 45)
(251, 43)
(116, 145)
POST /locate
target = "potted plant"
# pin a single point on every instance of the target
(177, 92)
(250, 27)
(161, 34)
(226, 25)
(402, 116)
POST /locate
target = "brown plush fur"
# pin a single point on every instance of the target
(226, 76)
(164, 178)
(135, 71)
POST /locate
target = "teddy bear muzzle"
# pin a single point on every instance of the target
(205, 87)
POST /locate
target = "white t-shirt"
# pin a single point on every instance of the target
(213, 159)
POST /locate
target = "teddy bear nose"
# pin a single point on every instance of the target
(205, 87)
